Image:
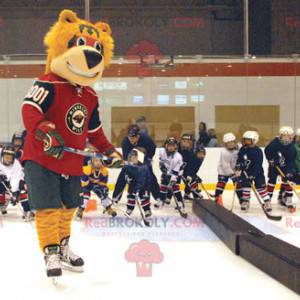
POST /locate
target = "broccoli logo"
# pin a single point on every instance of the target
(144, 254)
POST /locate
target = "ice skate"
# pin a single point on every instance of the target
(109, 210)
(180, 208)
(28, 216)
(52, 260)
(69, 260)
(281, 199)
(245, 206)
(267, 206)
(168, 201)
(159, 203)
(290, 205)
(148, 213)
(129, 211)
(79, 213)
(3, 209)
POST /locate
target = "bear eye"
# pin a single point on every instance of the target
(98, 46)
(81, 41)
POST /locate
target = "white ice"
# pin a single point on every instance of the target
(196, 264)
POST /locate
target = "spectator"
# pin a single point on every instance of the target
(142, 124)
(213, 141)
(203, 135)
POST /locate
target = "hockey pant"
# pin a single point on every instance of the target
(144, 197)
(259, 184)
(165, 186)
(222, 181)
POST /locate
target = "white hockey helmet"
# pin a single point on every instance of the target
(228, 137)
(286, 130)
(251, 135)
(298, 132)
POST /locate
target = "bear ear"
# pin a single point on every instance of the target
(103, 27)
(67, 16)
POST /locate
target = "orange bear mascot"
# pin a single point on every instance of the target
(62, 110)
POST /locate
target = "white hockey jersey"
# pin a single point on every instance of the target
(227, 162)
(14, 174)
(172, 163)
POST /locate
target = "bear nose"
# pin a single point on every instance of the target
(92, 58)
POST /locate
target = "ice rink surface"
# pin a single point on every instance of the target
(195, 263)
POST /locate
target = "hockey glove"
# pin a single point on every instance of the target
(189, 179)
(272, 163)
(251, 178)
(289, 176)
(3, 178)
(53, 142)
(115, 159)
(198, 179)
(163, 168)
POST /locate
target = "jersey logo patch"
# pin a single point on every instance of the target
(75, 118)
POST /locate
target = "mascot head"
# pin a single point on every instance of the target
(78, 51)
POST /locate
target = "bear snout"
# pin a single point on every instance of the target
(92, 58)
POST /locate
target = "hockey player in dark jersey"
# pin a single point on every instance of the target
(137, 140)
(249, 168)
(281, 155)
(192, 161)
(137, 175)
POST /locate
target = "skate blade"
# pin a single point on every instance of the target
(67, 267)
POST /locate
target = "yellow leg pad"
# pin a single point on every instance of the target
(66, 217)
(47, 226)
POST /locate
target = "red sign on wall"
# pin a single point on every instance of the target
(292, 22)
(188, 22)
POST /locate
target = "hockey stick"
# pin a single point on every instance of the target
(182, 214)
(191, 191)
(147, 223)
(127, 215)
(106, 159)
(269, 216)
(233, 197)
(288, 181)
(210, 196)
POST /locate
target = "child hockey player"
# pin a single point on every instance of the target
(192, 161)
(137, 175)
(170, 162)
(281, 155)
(12, 182)
(95, 180)
(227, 164)
(249, 168)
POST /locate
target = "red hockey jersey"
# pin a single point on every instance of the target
(75, 112)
